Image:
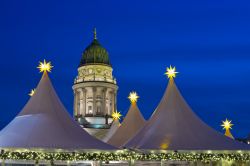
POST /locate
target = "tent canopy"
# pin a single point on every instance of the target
(115, 125)
(174, 126)
(131, 124)
(45, 123)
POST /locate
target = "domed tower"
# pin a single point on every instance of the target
(95, 88)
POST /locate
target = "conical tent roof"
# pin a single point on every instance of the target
(45, 123)
(174, 126)
(115, 125)
(131, 124)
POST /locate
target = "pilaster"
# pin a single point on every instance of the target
(83, 102)
(115, 101)
(76, 98)
(94, 100)
(104, 91)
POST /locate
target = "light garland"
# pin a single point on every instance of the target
(124, 156)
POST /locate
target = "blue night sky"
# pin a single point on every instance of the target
(208, 41)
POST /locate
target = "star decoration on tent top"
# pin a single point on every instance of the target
(171, 72)
(32, 92)
(116, 115)
(133, 97)
(45, 66)
(227, 124)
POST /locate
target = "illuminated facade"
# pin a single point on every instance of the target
(95, 88)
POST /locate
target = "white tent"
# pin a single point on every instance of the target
(45, 123)
(115, 125)
(174, 126)
(131, 124)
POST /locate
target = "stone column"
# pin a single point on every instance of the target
(80, 103)
(104, 91)
(115, 95)
(83, 102)
(109, 102)
(113, 102)
(94, 100)
(75, 102)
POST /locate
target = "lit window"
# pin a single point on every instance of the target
(90, 110)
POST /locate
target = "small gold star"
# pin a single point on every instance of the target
(116, 115)
(32, 92)
(171, 72)
(44, 66)
(133, 97)
(227, 124)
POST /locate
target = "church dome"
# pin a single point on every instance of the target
(95, 54)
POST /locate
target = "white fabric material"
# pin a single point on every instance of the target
(45, 123)
(174, 126)
(115, 125)
(131, 124)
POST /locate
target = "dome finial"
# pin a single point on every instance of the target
(95, 33)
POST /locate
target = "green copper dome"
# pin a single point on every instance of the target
(95, 54)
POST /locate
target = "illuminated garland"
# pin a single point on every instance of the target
(123, 156)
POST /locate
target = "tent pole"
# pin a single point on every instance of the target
(97, 163)
(131, 163)
(51, 163)
(3, 163)
(37, 163)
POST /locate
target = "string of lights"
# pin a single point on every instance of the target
(124, 156)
